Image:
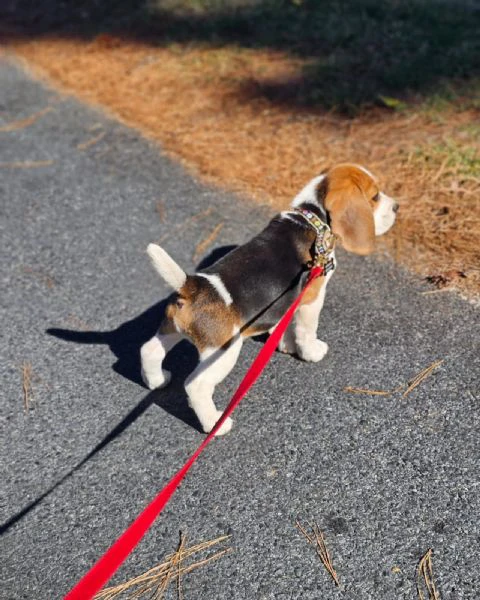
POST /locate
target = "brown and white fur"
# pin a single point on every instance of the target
(246, 292)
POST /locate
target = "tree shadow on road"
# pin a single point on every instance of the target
(353, 52)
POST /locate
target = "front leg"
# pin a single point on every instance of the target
(215, 364)
(308, 346)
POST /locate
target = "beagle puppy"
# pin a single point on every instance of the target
(247, 291)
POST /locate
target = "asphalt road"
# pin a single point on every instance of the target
(386, 478)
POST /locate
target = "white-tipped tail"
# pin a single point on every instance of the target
(166, 267)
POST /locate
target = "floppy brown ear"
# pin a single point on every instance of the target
(352, 220)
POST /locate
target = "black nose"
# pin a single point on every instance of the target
(396, 206)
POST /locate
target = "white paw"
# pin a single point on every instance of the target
(156, 380)
(225, 428)
(313, 351)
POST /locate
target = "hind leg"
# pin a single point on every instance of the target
(152, 354)
(214, 366)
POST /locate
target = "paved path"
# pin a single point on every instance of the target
(385, 477)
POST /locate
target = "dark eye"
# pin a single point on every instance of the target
(179, 301)
(376, 197)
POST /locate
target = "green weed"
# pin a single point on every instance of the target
(462, 159)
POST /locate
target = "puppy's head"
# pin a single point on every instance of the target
(358, 210)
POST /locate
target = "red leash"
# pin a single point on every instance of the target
(108, 564)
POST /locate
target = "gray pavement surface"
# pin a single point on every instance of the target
(385, 477)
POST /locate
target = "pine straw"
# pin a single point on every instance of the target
(22, 123)
(161, 210)
(91, 142)
(417, 380)
(317, 540)
(354, 390)
(408, 387)
(204, 244)
(41, 275)
(27, 164)
(155, 582)
(27, 385)
(205, 105)
(184, 225)
(425, 578)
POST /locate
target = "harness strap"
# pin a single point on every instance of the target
(324, 242)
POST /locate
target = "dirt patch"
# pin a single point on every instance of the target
(207, 107)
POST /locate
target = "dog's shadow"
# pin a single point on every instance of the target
(125, 342)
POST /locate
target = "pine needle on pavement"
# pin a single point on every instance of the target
(317, 540)
(208, 241)
(22, 123)
(425, 578)
(154, 583)
(421, 376)
(27, 385)
(408, 387)
(355, 390)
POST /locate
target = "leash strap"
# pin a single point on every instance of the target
(108, 564)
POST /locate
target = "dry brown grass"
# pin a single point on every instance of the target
(202, 105)
(155, 582)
